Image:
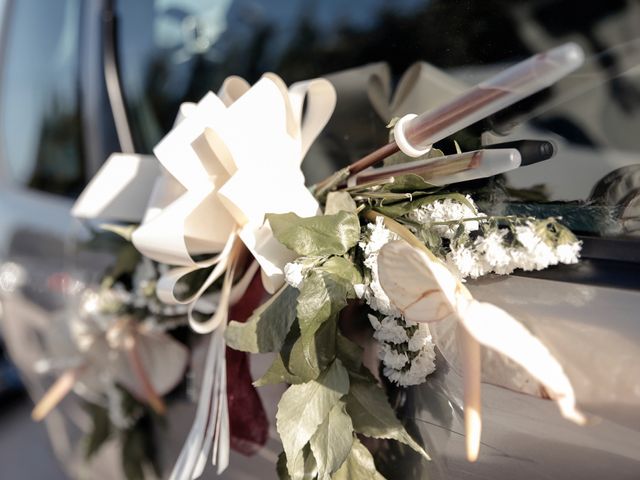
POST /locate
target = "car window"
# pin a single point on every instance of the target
(41, 137)
(439, 47)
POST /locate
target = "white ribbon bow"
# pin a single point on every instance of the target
(229, 160)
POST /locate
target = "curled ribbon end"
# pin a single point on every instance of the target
(473, 429)
(568, 408)
(55, 394)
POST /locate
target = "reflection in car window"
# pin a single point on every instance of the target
(40, 119)
(369, 49)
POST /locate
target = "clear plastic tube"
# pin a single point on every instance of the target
(491, 96)
(448, 169)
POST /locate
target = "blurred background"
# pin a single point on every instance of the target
(80, 79)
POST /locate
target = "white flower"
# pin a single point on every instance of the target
(360, 289)
(465, 262)
(421, 366)
(374, 295)
(421, 338)
(391, 358)
(568, 252)
(393, 330)
(447, 210)
(492, 248)
(294, 274)
(390, 331)
(537, 253)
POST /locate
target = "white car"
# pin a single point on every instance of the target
(82, 79)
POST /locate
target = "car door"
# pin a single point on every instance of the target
(55, 129)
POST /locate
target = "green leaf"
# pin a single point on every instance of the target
(126, 262)
(332, 441)
(303, 408)
(100, 431)
(359, 465)
(124, 231)
(343, 268)
(339, 202)
(349, 353)
(409, 183)
(135, 454)
(322, 295)
(373, 416)
(310, 467)
(313, 352)
(316, 236)
(277, 373)
(281, 467)
(267, 327)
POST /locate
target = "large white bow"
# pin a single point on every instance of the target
(229, 160)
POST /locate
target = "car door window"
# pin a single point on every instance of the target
(186, 47)
(40, 126)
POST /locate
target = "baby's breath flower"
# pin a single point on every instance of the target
(374, 295)
(391, 331)
(493, 251)
(540, 254)
(465, 262)
(395, 334)
(420, 339)
(294, 274)
(391, 358)
(446, 210)
(568, 252)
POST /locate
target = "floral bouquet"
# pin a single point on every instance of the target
(221, 217)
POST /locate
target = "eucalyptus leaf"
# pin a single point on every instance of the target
(322, 295)
(349, 353)
(126, 262)
(136, 453)
(277, 373)
(373, 416)
(332, 441)
(359, 465)
(124, 231)
(343, 268)
(281, 467)
(306, 458)
(316, 236)
(267, 327)
(339, 202)
(303, 408)
(409, 183)
(314, 351)
(100, 431)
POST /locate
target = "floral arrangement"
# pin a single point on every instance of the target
(228, 214)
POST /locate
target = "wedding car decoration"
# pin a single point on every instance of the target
(392, 245)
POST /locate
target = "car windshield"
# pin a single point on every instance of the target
(390, 58)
